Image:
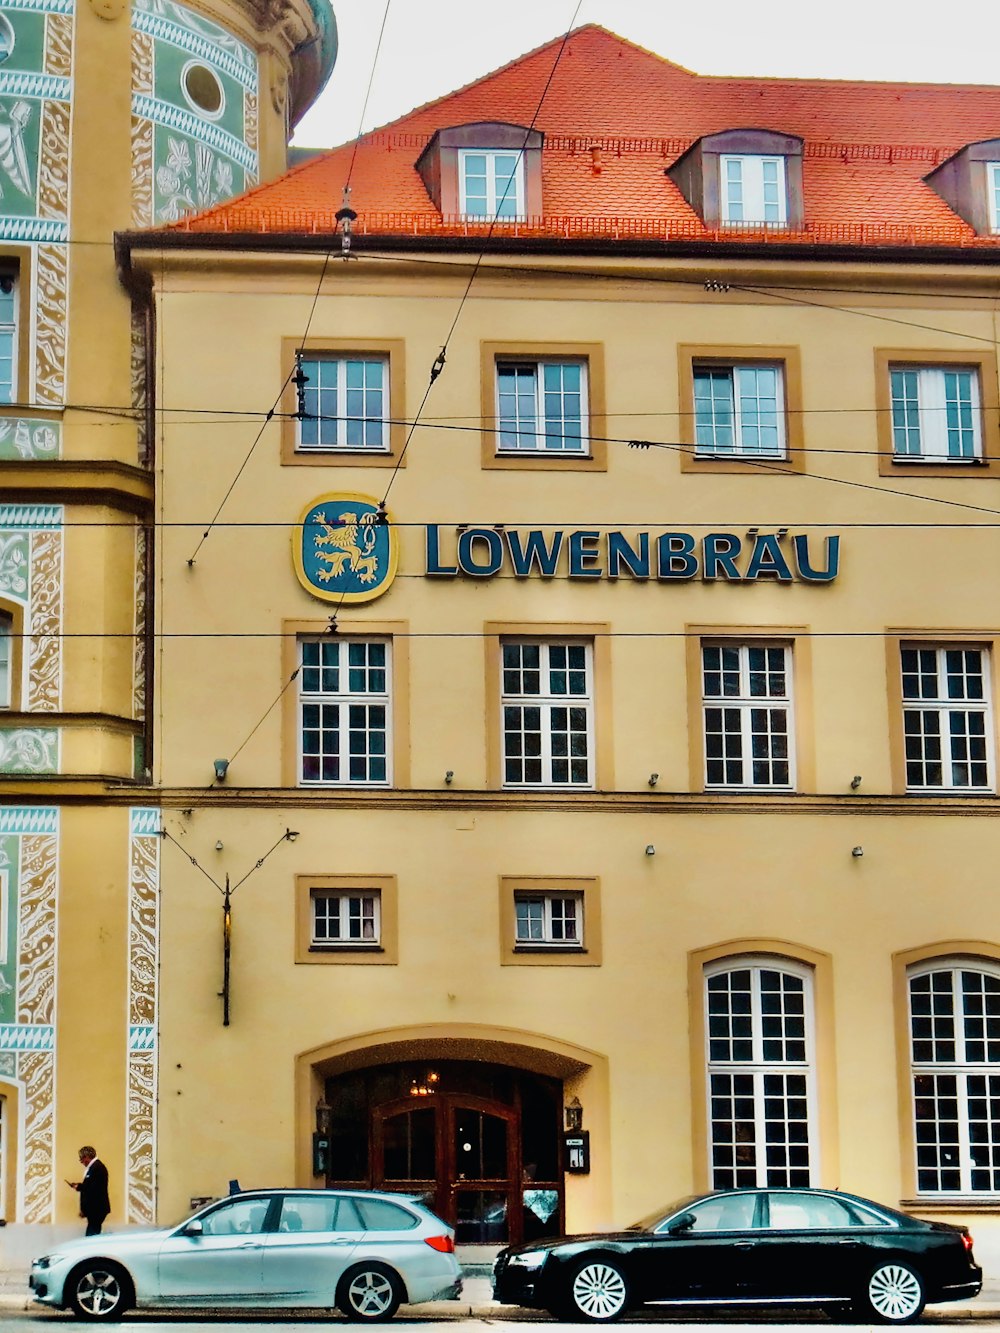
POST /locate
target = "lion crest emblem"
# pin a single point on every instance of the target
(344, 549)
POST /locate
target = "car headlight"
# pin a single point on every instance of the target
(47, 1260)
(531, 1259)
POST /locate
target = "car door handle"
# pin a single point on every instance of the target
(744, 1245)
(846, 1240)
(249, 1245)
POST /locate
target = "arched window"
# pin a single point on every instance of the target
(955, 1062)
(759, 1021)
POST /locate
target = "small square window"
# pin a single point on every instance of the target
(739, 411)
(752, 190)
(491, 184)
(345, 403)
(542, 407)
(936, 414)
(548, 920)
(346, 918)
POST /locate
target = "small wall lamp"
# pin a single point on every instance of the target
(449, 775)
(857, 851)
(221, 769)
(654, 779)
(291, 834)
(573, 1115)
(856, 782)
(324, 1116)
(218, 845)
(650, 849)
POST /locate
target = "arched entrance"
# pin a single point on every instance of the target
(479, 1142)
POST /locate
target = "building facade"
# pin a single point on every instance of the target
(576, 653)
(110, 115)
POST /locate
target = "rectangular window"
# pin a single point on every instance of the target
(547, 712)
(936, 413)
(946, 718)
(8, 338)
(548, 920)
(752, 190)
(747, 707)
(491, 184)
(6, 659)
(345, 712)
(993, 193)
(346, 918)
(739, 410)
(345, 403)
(542, 406)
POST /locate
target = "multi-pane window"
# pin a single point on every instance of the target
(739, 410)
(8, 338)
(6, 656)
(955, 1054)
(993, 193)
(542, 406)
(752, 190)
(346, 918)
(491, 184)
(935, 413)
(344, 710)
(946, 718)
(760, 1074)
(549, 920)
(345, 403)
(547, 711)
(747, 707)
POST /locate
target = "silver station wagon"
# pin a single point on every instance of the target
(360, 1251)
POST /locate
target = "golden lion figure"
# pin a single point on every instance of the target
(354, 543)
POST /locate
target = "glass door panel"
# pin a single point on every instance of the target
(480, 1145)
(408, 1145)
(481, 1217)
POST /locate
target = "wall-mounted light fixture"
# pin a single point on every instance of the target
(573, 1116)
(221, 769)
(449, 776)
(857, 851)
(856, 782)
(654, 779)
(291, 834)
(218, 844)
(650, 849)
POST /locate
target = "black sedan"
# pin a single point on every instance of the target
(750, 1247)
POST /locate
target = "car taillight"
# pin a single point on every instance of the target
(445, 1244)
(967, 1241)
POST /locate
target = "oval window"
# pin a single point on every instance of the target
(202, 89)
(6, 38)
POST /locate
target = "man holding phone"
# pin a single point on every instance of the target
(93, 1190)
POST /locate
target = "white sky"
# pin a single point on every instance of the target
(431, 47)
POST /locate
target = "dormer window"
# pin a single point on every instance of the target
(752, 190)
(484, 171)
(491, 185)
(969, 183)
(743, 178)
(993, 193)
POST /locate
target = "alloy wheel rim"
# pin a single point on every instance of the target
(599, 1291)
(371, 1293)
(894, 1292)
(98, 1292)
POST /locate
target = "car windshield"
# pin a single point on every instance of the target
(652, 1221)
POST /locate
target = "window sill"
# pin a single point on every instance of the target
(561, 949)
(308, 451)
(346, 948)
(957, 793)
(929, 460)
(989, 1203)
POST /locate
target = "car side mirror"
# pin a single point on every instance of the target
(683, 1223)
(194, 1228)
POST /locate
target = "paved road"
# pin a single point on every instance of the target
(29, 1323)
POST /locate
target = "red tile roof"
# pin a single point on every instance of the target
(867, 147)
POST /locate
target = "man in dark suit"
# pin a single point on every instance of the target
(93, 1190)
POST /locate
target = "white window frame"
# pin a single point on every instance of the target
(550, 899)
(758, 1069)
(931, 422)
(538, 428)
(959, 1072)
(6, 660)
(944, 707)
(741, 422)
(753, 203)
(993, 193)
(492, 201)
(343, 699)
(331, 429)
(743, 706)
(353, 905)
(549, 705)
(9, 336)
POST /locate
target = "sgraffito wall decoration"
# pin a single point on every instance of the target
(194, 112)
(31, 575)
(36, 63)
(29, 837)
(143, 945)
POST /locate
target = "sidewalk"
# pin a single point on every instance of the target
(477, 1303)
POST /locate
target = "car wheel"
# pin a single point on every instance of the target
(894, 1295)
(98, 1291)
(598, 1292)
(369, 1292)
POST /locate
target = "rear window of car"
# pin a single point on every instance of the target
(319, 1212)
(381, 1215)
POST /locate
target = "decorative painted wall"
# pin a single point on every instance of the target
(194, 112)
(31, 574)
(143, 946)
(28, 845)
(36, 62)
